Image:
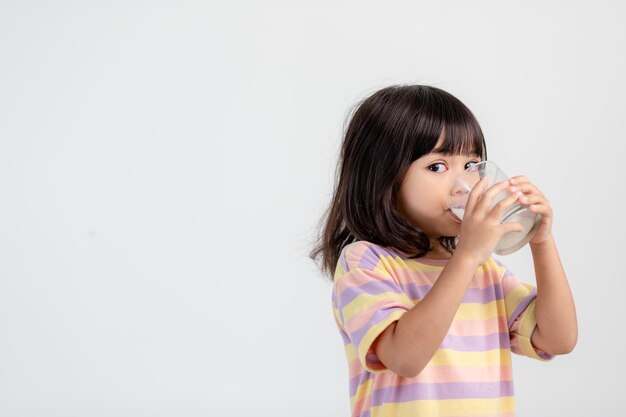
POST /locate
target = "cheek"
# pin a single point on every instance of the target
(415, 200)
(411, 204)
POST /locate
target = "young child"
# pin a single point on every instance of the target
(428, 317)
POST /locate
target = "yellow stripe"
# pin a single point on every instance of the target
(478, 311)
(363, 390)
(466, 311)
(526, 327)
(528, 320)
(339, 273)
(515, 297)
(364, 300)
(448, 357)
(350, 352)
(371, 334)
(457, 407)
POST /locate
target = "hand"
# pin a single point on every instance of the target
(481, 228)
(537, 203)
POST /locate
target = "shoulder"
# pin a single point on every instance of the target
(364, 254)
(364, 262)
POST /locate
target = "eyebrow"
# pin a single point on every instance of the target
(449, 154)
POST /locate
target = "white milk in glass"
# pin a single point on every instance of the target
(516, 214)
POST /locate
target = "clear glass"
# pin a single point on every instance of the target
(518, 212)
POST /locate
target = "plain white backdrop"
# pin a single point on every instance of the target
(163, 167)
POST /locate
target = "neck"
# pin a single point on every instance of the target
(438, 251)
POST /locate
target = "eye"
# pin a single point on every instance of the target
(434, 165)
(441, 163)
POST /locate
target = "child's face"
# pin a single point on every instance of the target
(426, 191)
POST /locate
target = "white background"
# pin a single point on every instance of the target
(163, 167)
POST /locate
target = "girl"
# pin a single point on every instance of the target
(428, 318)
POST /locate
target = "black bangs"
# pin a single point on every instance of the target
(435, 112)
(462, 139)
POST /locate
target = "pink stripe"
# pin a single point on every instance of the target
(478, 327)
(360, 406)
(363, 316)
(356, 252)
(354, 368)
(442, 373)
(510, 282)
(406, 276)
(457, 328)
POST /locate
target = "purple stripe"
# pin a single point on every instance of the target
(478, 343)
(336, 305)
(544, 355)
(483, 295)
(417, 292)
(369, 259)
(358, 380)
(522, 306)
(372, 255)
(342, 258)
(380, 315)
(371, 287)
(441, 391)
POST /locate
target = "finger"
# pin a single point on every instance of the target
(485, 200)
(475, 193)
(527, 188)
(541, 209)
(510, 227)
(529, 199)
(498, 210)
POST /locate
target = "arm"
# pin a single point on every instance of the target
(557, 327)
(407, 345)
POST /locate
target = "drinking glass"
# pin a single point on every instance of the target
(518, 212)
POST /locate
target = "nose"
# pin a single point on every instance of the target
(457, 188)
(459, 192)
(461, 185)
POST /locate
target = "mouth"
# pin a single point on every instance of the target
(455, 217)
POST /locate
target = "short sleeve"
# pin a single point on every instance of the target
(519, 300)
(367, 299)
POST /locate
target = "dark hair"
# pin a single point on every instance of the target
(388, 131)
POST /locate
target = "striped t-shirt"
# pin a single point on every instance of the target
(470, 374)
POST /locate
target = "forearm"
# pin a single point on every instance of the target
(420, 331)
(557, 327)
